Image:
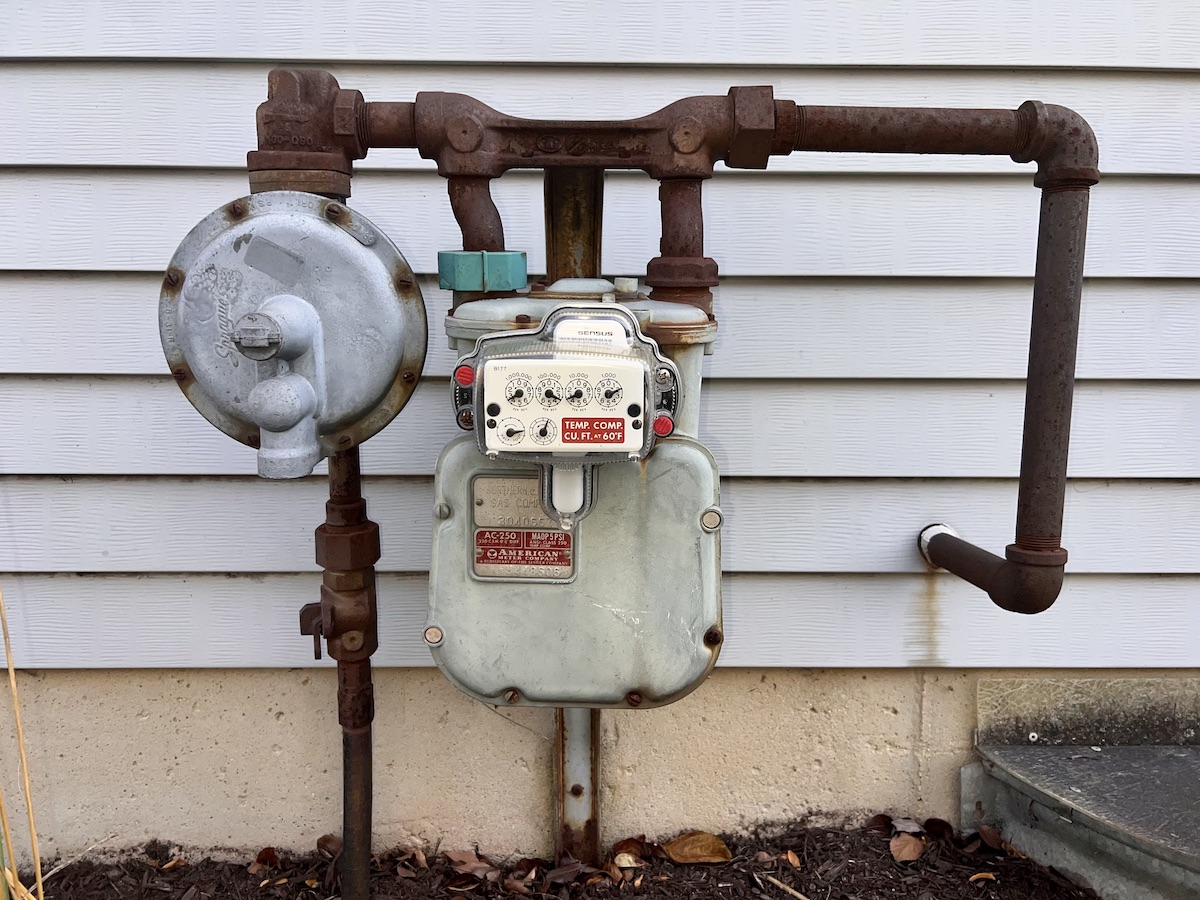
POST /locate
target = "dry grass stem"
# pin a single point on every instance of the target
(77, 857)
(779, 884)
(12, 684)
(19, 891)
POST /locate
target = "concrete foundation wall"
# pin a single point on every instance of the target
(242, 759)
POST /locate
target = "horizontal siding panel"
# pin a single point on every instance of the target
(144, 425)
(756, 224)
(89, 524)
(67, 621)
(705, 32)
(105, 323)
(134, 114)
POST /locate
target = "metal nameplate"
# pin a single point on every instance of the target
(513, 537)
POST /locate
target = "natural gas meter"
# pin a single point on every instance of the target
(576, 548)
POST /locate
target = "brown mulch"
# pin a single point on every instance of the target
(816, 863)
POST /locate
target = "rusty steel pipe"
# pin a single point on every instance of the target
(389, 125)
(574, 202)
(475, 212)
(1058, 139)
(1053, 338)
(354, 679)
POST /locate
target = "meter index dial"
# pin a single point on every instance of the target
(549, 392)
(579, 392)
(511, 431)
(543, 431)
(517, 391)
(608, 392)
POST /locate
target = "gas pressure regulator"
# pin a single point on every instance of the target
(293, 324)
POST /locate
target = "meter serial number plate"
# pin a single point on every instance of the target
(514, 538)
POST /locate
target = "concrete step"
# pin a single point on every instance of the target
(1098, 778)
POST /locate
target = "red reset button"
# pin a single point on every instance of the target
(663, 425)
(465, 375)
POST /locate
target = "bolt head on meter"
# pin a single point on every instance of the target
(586, 387)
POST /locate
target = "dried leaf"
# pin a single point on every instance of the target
(468, 862)
(267, 856)
(991, 837)
(264, 883)
(311, 882)
(613, 871)
(173, 863)
(596, 878)
(763, 857)
(908, 826)
(462, 883)
(256, 868)
(516, 887)
(329, 845)
(982, 876)
(879, 824)
(1012, 851)
(792, 858)
(567, 872)
(906, 847)
(697, 847)
(403, 871)
(973, 846)
(637, 882)
(627, 861)
(939, 829)
(281, 881)
(635, 845)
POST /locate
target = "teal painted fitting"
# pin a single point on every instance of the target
(482, 270)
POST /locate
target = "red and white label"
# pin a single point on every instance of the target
(498, 547)
(593, 431)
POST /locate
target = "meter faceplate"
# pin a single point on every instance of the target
(587, 386)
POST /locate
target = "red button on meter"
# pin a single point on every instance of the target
(663, 425)
(465, 375)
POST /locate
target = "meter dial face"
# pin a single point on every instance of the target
(608, 392)
(511, 431)
(579, 392)
(542, 431)
(517, 391)
(549, 392)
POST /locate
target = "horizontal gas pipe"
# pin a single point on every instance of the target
(1029, 577)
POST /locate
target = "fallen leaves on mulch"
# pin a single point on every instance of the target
(892, 858)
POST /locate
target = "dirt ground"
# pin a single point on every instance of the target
(799, 862)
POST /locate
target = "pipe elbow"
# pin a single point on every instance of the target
(1061, 142)
(1025, 587)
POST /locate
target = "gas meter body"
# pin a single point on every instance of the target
(576, 536)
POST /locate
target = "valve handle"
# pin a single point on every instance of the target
(310, 623)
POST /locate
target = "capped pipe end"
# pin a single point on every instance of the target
(928, 533)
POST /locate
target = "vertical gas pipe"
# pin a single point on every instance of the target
(574, 201)
(307, 108)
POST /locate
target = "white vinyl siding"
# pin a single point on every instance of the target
(868, 372)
